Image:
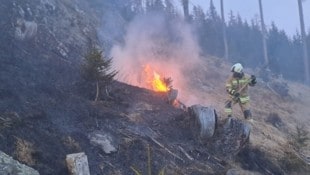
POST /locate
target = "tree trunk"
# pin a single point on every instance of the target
(303, 35)
(263, 34)
(97, 92)
(224, 31)
(185, 9)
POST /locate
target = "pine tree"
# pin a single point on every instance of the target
(97, 68)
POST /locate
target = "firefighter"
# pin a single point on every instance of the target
(237, 88)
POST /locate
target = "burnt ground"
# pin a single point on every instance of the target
(56, 123)
(45, 114)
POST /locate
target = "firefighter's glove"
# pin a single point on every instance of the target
(253, 80)
(237, 95)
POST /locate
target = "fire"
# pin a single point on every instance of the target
(158, 84)
(154, 80)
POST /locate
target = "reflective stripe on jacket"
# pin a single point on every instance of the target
(234, 85)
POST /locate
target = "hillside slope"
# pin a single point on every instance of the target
(47, 112)
(136, 120)
(276, 116)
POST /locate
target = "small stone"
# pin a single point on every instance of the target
(103, 140)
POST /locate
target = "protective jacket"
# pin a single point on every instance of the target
(239, 85)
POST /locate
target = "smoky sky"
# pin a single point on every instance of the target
(167, 45)
(284, 13)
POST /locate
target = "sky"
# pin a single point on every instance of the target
(283, 12)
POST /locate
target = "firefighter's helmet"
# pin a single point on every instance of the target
(237, 68)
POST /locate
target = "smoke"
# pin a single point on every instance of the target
(166, 45)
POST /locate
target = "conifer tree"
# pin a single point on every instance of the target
(97, 69)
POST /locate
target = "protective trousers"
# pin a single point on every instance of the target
(245, 107)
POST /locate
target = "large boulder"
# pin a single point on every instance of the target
(9, 166)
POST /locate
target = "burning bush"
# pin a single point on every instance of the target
(155, 81)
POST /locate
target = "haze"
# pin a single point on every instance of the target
(283, 13)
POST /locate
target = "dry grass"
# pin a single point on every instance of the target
(24, 151)
(301, 137)
(291, 162)
(264, 102)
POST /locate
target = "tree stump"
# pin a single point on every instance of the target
(77, 164)
(231, 138)
(172, 95)
(204, 124)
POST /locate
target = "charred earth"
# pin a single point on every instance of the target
(47, 112)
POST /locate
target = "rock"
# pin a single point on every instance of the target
(25, 29)
(204, 122)
(103, 140)
(9, 166)
(77, 164)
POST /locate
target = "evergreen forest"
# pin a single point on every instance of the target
(244, 38)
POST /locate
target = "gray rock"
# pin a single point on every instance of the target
(77, 164)
(103, 140)
(9, 166)
(25, 29)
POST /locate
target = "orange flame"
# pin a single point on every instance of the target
(154, 80)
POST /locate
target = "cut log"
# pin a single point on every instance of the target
(77, 164)
(204, 123)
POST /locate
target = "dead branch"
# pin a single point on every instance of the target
(263, 168)
(205, 169)
(186, 154)
(135, 170)
(162, 146)
(217, 161)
